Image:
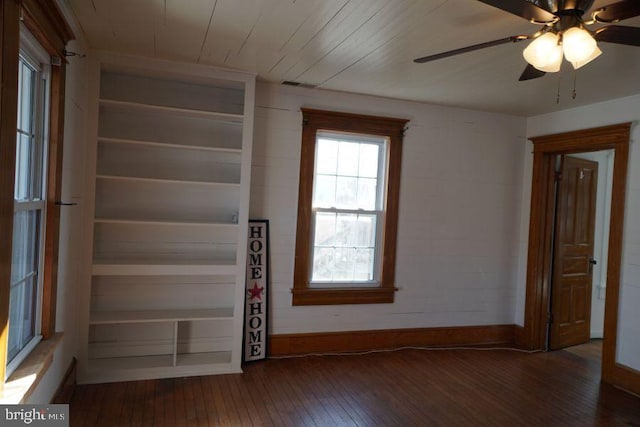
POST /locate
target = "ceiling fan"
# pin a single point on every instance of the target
(564, 32)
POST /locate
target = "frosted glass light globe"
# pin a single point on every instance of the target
(545, 53)
(579, 47)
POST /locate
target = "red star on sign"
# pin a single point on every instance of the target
(255, 292)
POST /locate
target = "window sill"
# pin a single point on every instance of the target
(24, 380)
(336, 296)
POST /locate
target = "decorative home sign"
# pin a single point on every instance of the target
(255, 311)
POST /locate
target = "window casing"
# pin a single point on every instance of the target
(347, 208)
(29, 203)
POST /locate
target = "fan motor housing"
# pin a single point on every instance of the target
(573, 5)
(568, 19)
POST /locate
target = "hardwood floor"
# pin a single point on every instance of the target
(402, 388)
(591, 350)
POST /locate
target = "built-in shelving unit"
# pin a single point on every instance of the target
(172, 158)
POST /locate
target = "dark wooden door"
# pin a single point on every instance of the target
(573, 253)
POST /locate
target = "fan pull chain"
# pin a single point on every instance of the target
(575, 78)
(558, 95)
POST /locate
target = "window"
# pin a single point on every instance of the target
(29, 206)
(347, 214)
(347, 208)
(33, 31)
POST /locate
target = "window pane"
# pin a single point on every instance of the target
(325, 191)
(20, 103)
(344, 247)
(26, 97)
(365, 231)
(29, 161)
(21, 315)
(25, 244)
(23, 167)
(367, 193)
(346, 230)
(322, 264)
(368, 164)
(343, 264)
(327, 157)
(348, 158)
(37, 169)
(28, 317)
(363, 269)
(15, 302)
(346, 175)
(325, 231)
(347, 192)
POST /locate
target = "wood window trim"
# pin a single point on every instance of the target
(545, 148)
(46, 22)
(319, 120)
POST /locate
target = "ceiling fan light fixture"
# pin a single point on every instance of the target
(577, 64)
(579, 47)
(545, 53)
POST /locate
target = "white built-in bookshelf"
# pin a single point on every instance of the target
(172, 154)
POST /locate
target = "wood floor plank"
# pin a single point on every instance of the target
(179, 403)
(238, 401)
(93, 413)
(201, 411)
(210, 407)
(224, 414)
(328, 396)
(128, 403)
(148, 404)
(316, 413)
(190, 402)
(346, 393)
(403, 388)
(168, 402)
(158, 404)
(84, 399)
(87, 396)
(255, 382)
(137, 403)
(292, 412)
(240, 391)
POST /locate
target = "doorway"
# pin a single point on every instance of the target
(583, 184)
(541, 231)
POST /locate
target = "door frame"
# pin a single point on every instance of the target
(545, 148)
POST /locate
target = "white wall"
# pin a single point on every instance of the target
(458, 220)
(601, 114)
(71, 238)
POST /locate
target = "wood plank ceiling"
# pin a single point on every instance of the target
(361, 46)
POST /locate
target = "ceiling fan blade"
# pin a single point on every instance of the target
(548, 5)
(524, 9)
(512, 39)
(531, 73)
(619, 34)
(615, 12)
